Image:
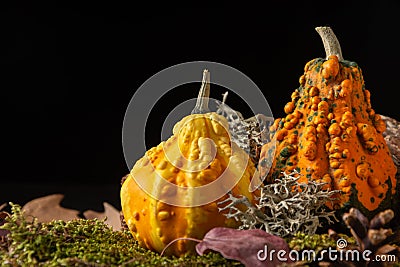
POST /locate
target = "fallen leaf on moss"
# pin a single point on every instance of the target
(250, 247)
(48, 208)
(111, 214)
(3, 216)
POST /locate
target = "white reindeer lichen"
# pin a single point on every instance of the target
(249, 134)
(283, 208)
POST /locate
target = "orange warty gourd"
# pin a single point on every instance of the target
(187, 160)
(331, 134)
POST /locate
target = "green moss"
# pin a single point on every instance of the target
(83, 243)
(317, 242)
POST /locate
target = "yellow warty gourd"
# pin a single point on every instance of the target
(167, 205)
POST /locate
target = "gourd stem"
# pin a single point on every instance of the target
(204, 94)
(331, 43)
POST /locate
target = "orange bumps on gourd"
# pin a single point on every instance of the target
(330, 68)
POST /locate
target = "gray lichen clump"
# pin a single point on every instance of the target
(283, 208)
(249, 134)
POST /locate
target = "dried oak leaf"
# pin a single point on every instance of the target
(246, 246)
(111, 214)
(3, 216)
(47, 209)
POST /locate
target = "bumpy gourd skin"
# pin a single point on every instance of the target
(331, 134)
(155, 223)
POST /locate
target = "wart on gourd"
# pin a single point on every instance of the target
(338, 135)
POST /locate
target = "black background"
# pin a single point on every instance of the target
(69, 72)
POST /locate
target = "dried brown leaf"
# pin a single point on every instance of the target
(3, 216)
(48, 208)
(386, 249)
(111, 214)
(2, 206)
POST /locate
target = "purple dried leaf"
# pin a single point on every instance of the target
(250, 247)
